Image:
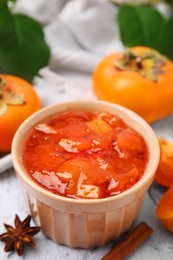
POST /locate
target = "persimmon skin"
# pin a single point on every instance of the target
(161, 179)
(151, 100)
(164, 210)
(16, 114)
(164, 173)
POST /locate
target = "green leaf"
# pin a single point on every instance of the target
(166, 39)
(170, 3)
(144, 26)
(10, 3)
(4, 14)
(23, 50)
(140, 25)
(13, 1)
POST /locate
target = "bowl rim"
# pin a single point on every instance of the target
(133, 116)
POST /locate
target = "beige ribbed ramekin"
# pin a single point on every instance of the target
(90, 222)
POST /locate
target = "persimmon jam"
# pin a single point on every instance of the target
(85, 155)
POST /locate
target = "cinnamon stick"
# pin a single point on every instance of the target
(134, 239)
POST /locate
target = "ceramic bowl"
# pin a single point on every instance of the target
(85, 222)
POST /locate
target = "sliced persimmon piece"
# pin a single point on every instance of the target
(130, 141)
(124, 181)
(88, 191)
(163, 180)
(76, 172)
(164, 173)
(46, 129)
(71, 168)
(69, 145)
(164, 210)
(99, 126)
(113, 120)
(78, 144)
(94, 170)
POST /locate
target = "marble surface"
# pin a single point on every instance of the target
(75, 57)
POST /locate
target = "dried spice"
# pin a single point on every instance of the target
(20, 235)
(130, 243)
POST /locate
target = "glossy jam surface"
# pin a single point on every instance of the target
(85, 155)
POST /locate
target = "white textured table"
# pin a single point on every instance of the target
(77, 51)
(159, 246)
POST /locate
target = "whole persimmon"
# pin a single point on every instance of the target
(18, 100)
(140, 79)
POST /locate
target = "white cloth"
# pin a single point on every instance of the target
(79, 32)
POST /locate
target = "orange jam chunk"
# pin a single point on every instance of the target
(85, 155)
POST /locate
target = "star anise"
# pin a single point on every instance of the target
(20, 235)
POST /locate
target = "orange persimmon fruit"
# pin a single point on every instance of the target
(164, 210)
(18, 100)
(140, 79)
(164, 173)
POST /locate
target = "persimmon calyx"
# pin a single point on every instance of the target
(149, 64)
(9, 97)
